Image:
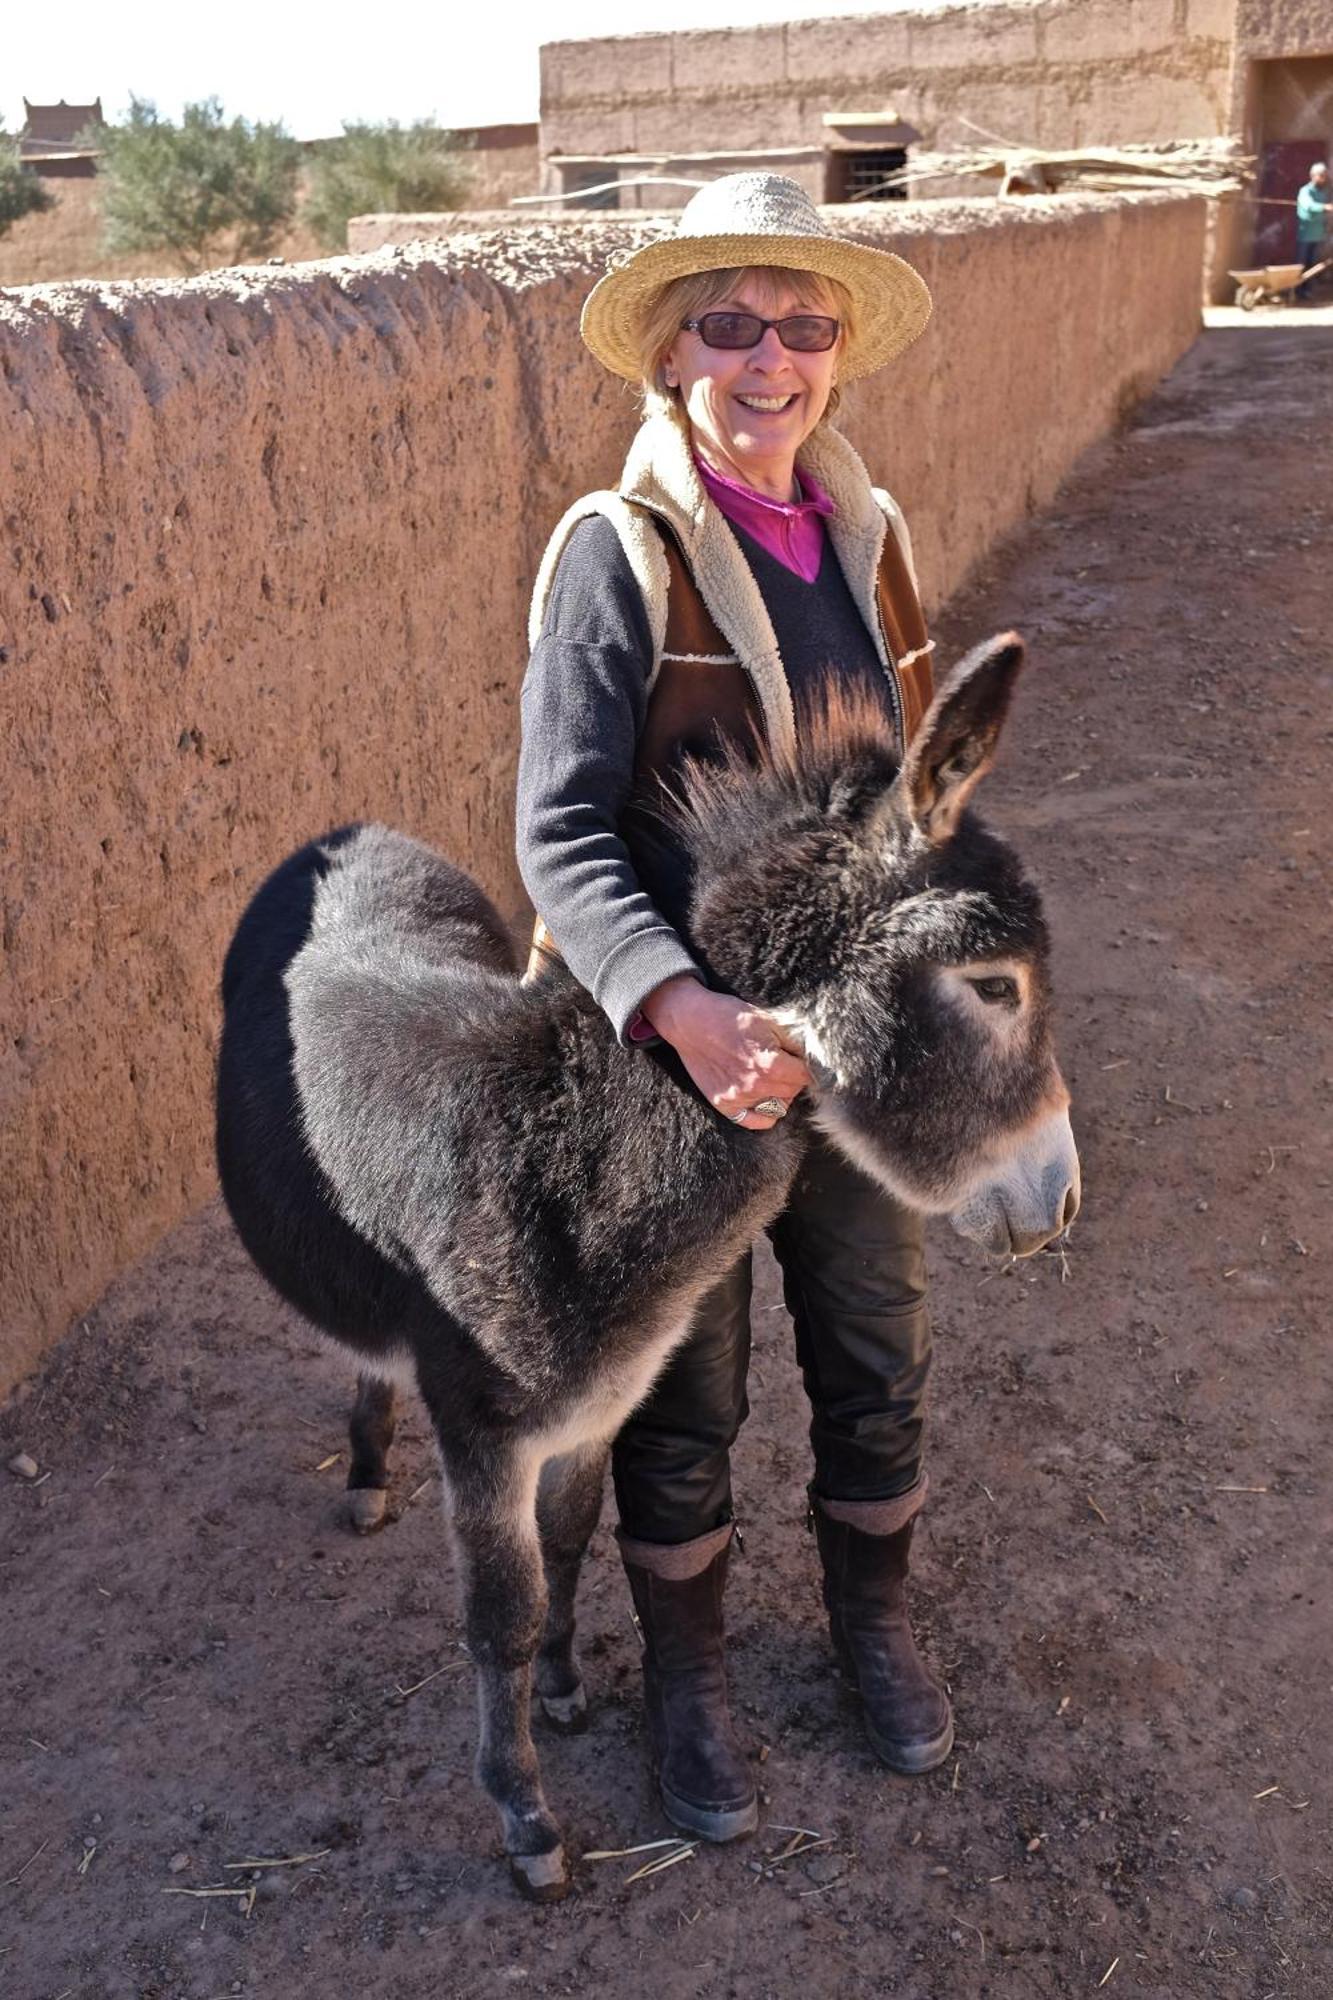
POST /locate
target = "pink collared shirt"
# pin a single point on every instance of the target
(792, 531)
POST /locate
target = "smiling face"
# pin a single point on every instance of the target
(750, 410)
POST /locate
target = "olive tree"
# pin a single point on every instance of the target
(21, 193)
(411, 169)
(208, 190)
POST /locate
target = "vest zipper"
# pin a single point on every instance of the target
(895, 684)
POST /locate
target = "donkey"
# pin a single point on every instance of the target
(471, 1184)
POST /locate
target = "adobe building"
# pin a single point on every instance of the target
(53, 142)
(502, 162)
(631, 121)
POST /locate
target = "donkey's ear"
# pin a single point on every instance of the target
(955, 745)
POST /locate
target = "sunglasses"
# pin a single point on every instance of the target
(802, 333)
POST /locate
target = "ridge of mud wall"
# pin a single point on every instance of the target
(268, 539)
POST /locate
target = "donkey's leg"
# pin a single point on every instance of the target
(569, 1499)
(504, 1591)
(370, 1431)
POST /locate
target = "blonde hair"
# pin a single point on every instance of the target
(688, 297)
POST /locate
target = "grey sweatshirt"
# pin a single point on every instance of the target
(585, 697)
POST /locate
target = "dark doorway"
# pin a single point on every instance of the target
(860, 175)
(594, 186)
(1285, 170)
(1293, 128)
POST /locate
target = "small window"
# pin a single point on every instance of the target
(589, 185)
(860, 176)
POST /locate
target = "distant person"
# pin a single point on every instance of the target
(1312, 206)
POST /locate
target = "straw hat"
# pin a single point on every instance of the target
(748, 219)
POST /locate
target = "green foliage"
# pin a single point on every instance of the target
(21, 193)
(208, 190)
(407, 169)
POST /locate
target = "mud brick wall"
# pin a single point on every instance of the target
(1053, 73)
(266, 543)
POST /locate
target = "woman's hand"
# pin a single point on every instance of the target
(734, 1053)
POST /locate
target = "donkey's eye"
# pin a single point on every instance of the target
(999, 990)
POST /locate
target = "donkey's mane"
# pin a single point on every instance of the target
(843, 743)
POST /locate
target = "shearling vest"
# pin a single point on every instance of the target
(716, 670)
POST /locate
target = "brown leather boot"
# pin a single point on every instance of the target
(705, 1779)
(864, 1545)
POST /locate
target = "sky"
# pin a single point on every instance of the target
(463, 62)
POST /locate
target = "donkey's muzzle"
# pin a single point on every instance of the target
(1031, 1199)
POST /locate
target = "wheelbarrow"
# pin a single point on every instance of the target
(1273, 281)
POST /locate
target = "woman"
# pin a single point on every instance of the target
(745, 563)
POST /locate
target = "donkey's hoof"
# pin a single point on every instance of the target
(367, 1508)
(566, 1712)
(542, 1878)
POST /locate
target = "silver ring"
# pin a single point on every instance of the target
(739, 1117)
(770, 1107)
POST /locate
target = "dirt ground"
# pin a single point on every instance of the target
(1124, 1568)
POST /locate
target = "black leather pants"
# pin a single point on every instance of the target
(854, 1278)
